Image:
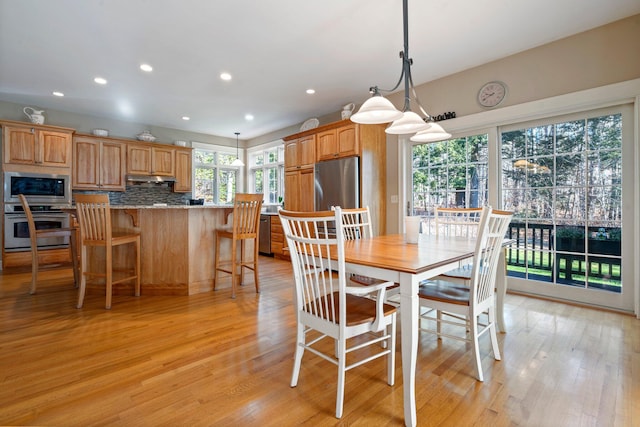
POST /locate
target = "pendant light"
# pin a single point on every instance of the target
(237, 161)
(377, 109)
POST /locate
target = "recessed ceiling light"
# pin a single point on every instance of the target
(146, 67)
(100, 80)
(225, 76)
(311, 91)
(56, 93)
(248, 116)
(186, 118)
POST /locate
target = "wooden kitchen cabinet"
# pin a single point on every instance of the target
(36, 145)
(299, 158)
(278, 242)
(300, 153)
(334, 140)
(298, 190)
(336, 143)
(149, 159)
(98, 164)
(183, 170)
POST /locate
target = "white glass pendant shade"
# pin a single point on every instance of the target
(237, 162)
(410, 122)
(434, 133)
(376, 110)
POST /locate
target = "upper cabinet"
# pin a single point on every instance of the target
(336, 143)
(183, 170)
(98, 163)
(36, 145)
(151, 159)
(300, 153)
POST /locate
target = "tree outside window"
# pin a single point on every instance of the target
(215, 179)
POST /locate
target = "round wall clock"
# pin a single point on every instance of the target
(491, 94)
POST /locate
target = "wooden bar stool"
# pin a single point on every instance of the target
(245, 225)
(94, 219)
(35, 234)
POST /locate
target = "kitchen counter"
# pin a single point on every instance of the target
(177, 247)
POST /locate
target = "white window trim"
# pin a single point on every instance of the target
(226, 149)
(264, 147)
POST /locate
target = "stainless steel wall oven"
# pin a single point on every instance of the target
(46, 194)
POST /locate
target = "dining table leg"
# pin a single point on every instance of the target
(501, 290)
(409, 308)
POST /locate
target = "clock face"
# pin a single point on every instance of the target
(492, 94)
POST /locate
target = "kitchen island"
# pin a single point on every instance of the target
(177, 245)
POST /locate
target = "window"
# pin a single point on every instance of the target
(215, 179)
(563, 181)
(267, 172)
(450, 173)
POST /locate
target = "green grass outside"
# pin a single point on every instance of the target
(539, 265)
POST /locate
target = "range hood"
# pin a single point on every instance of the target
(157, 179)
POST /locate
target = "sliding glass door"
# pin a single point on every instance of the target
(567, 179)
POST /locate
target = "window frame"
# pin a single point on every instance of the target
(217, 149)
(279, 164)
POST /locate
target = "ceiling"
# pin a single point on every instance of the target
(274, 50)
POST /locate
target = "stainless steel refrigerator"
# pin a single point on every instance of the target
(337, 183)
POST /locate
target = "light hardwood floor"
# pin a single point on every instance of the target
(208, 360)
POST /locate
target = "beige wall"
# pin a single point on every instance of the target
(598, 57)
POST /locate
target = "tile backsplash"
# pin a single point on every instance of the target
(145, 194)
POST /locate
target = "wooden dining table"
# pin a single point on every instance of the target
(391, 258)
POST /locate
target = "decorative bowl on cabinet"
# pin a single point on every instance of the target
(146, 136)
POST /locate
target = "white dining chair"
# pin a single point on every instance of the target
(470, 302)
(326, 307)
(356, 223)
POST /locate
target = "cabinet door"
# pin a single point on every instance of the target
(291, 190)
(307, 151)
(327, 145)
(291, 154)
(307, 198)
(55, 148)
(112, 166)
(139, 160)
(86, 157)
(163, 161)
(347, 141)
(183, 171)
(19, 145)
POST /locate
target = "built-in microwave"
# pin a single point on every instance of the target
(37, 188)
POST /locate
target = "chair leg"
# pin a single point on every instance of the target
(255, 265)
(73, 245)
(342, 356)
(493, 333)
(242, 262)
(233, 268)
(391, 357)
(138, 271)
(109, 275)
(83, 277)
(300, 341)
(216, 263)
(34, 269)
(476, 347)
